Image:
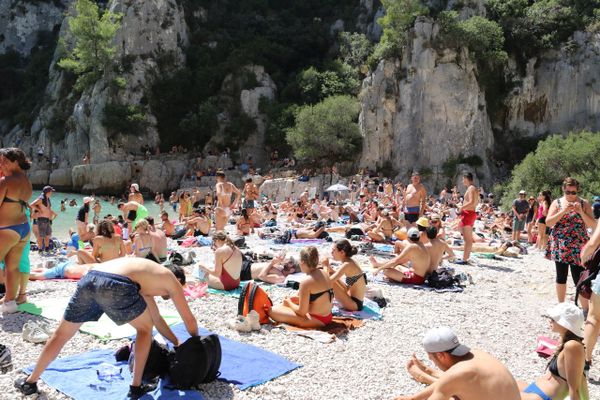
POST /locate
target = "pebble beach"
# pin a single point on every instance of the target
(500, 312)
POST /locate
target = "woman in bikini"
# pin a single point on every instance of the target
(565, 375)
(350, 292)
(107, 245)
(312, 307)
(15, 191)
(228, 264)
(143, 241)
(244, 224)
(544, 201)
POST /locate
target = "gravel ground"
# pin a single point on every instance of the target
(499, 313)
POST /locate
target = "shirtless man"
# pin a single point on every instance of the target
(250, 196)
(199, 224)
(414, 253)
(134, 194)
(167, 226)
(468, 215)
(438, 249)
(159, 241)
(415, 198)
(133, 212)
(131, 281)
(45, 215)
(225, 205)
(384, 228)
(463, 373)
(274, 271)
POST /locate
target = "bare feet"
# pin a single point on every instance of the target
(374, 262)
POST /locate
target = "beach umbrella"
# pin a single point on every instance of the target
(337, 188)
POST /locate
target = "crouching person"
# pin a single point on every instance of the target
(124, 289)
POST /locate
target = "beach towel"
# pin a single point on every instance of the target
(546, 346)
(76, 377)
(242, 364)
(104, 328)
(370, 311)
(338, 327)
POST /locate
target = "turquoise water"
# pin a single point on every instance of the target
(66, 219)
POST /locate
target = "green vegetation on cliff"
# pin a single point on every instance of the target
(556, 158)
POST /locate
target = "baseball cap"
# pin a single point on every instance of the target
(423, 221)
(413, 233)
(47, 189)
(442, 339)
(87, 200)
(522, 192)
(567, 315)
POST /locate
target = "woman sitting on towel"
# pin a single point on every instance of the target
(565, 375)
(312, 307)
(228, 264)
(107, 245)
(350, 292)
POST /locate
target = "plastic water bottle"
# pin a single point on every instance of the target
(106, 374)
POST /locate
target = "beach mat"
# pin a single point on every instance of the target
(338, 327)
(242, 364)
(76, 377)
(104, 328)
(370, 311)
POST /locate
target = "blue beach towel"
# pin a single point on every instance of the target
(242, 364)
(76, 376)
(370, 311)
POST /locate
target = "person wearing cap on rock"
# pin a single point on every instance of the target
(414, 254)
(134, 194)
(520, 209)
(82, 220)
(565, 374)
(45, 215)
(463, 373)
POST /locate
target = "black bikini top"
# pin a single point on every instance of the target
(315, 296)
(23, 203)
(351, 280)
(553, 366)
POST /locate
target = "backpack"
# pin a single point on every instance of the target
(253, 297)
(584, 285)
(157, 364)
(354, 231)
(284, 238)
(441, 279)
(196, 361)
(176, 258)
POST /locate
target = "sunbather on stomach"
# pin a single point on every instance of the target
(312, 307)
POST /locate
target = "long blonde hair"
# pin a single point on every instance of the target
(222, 235)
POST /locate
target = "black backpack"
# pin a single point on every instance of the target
(196, 361)
(157, 364)
(442, 279)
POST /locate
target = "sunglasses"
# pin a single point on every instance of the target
(569, 192)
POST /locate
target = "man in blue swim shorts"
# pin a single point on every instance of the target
(124, 290)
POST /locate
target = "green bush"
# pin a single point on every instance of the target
(327, 131)
(355, 48)
(556, 158)
(339, 80)
(126, 119)
(399, 17)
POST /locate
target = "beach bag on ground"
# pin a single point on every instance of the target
(441, 279)
(354, 232)
(196, 361)
(584, 285)
(253, 297)
(284, 238)
(157, 364)
(176, 258)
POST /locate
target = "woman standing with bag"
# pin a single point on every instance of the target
(569, 217)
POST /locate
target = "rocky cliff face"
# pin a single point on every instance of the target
(419, 113)
(428, 111)
(21, 22)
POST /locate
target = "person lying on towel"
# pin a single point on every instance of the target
(124, 289)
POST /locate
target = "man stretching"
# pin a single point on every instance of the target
(468, 216)
(225, 205)
(415, 198)
(124, 289)
(463, 374)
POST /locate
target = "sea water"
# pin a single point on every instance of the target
(66, 219)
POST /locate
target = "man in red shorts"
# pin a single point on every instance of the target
(468, 215)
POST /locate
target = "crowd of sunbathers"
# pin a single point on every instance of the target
(119, 258)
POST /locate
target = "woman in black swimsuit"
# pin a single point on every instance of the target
(15, 191)
(350, 292)
(565, 375)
